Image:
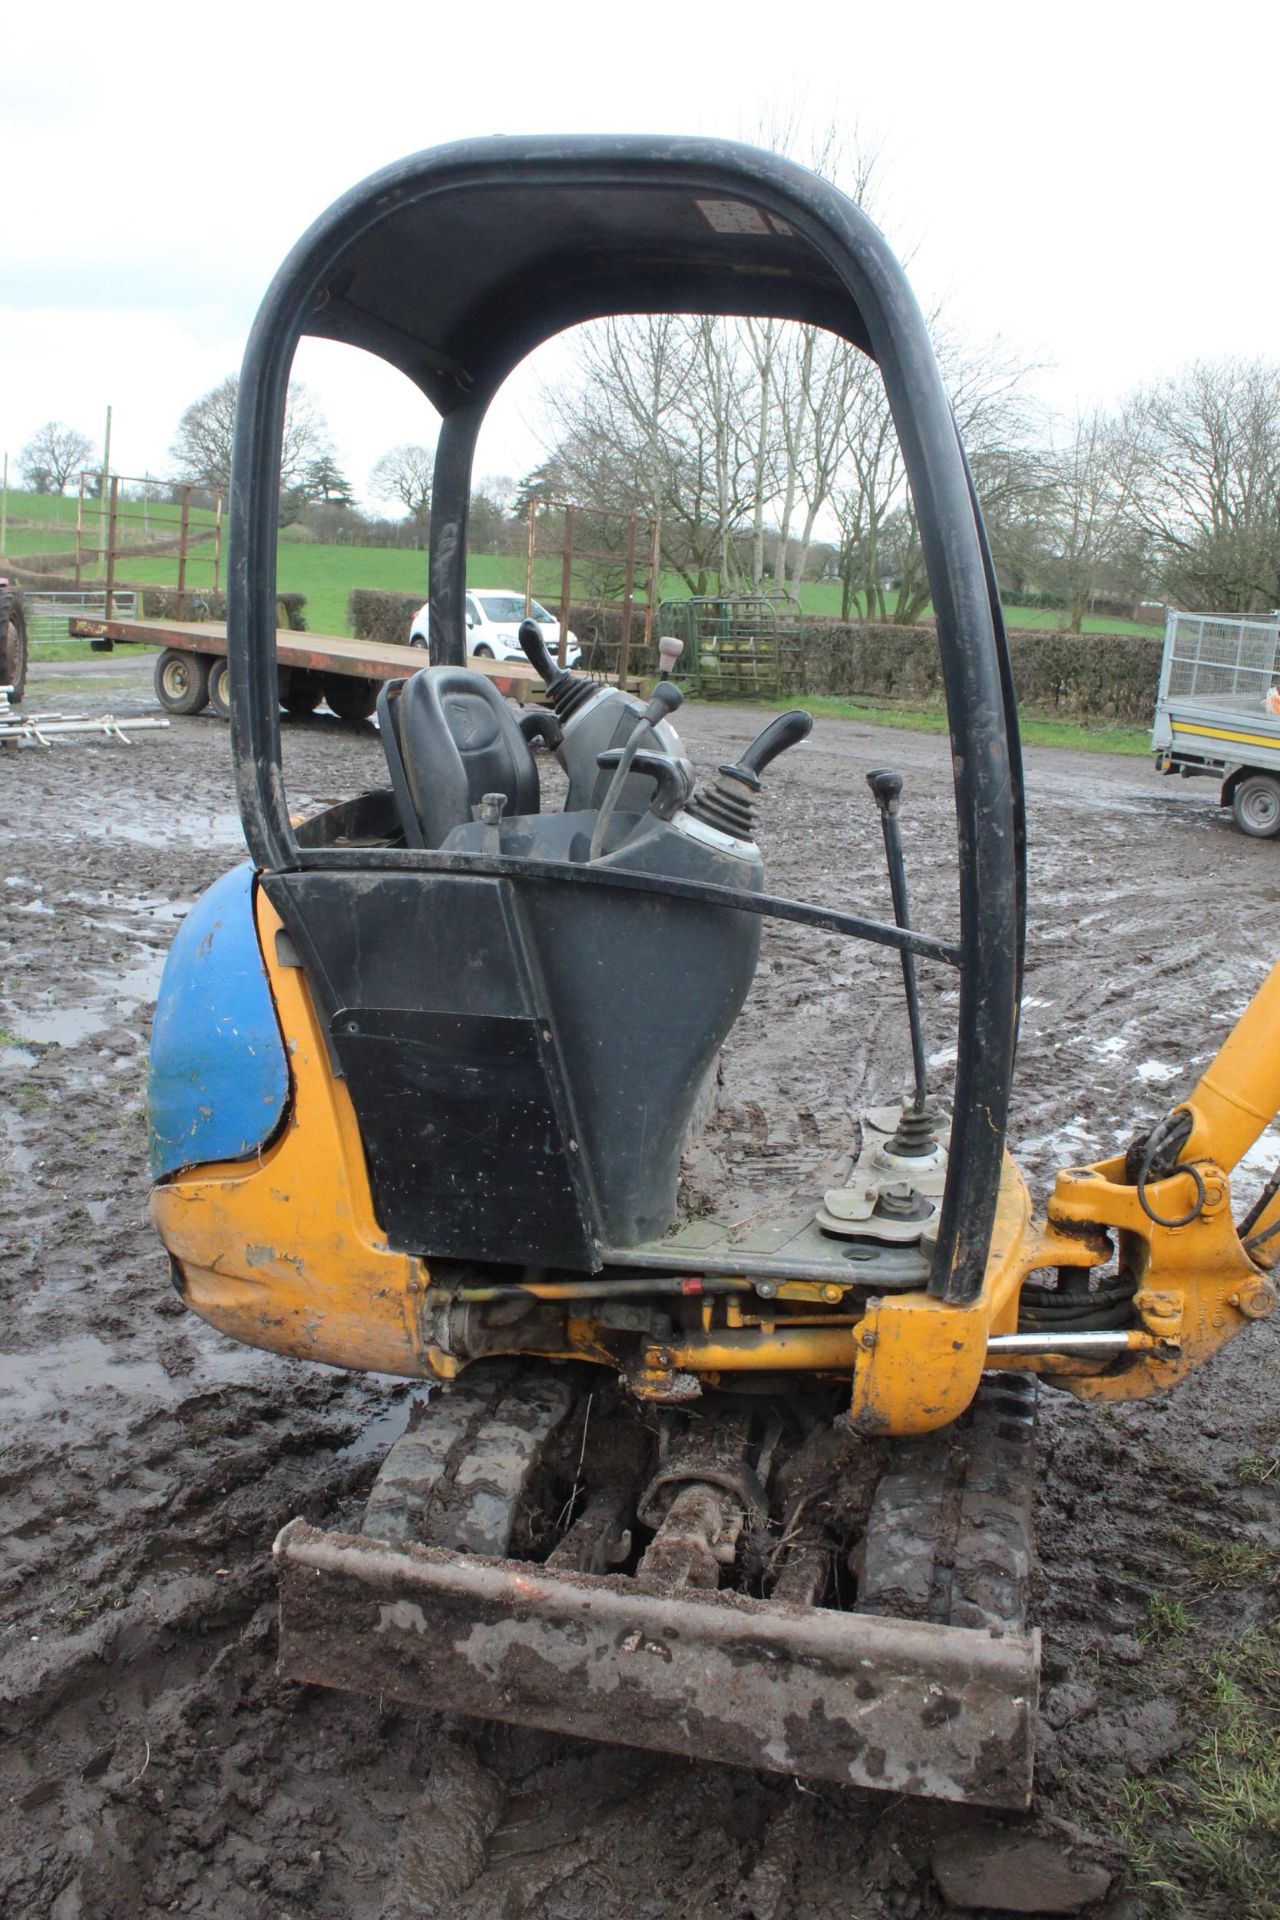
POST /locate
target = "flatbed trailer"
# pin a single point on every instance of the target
(1218, 711)
(191, 672)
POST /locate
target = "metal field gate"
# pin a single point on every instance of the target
(738, 643)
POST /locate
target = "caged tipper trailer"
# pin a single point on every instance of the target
(1218, 711)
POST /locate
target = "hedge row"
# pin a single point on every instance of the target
(161, 603)
(1092, 676)
(1104, 676)
(373, 614)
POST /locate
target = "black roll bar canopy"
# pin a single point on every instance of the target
(453, 265)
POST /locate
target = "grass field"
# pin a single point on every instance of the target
(327, 574)
(1035, 732)
(46, 523)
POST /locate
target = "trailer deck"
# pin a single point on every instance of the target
(310, 652)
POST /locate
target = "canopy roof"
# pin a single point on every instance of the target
(457, 270)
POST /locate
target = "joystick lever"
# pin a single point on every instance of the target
(538, 654)
(669, 651)
(566, 692)
(887, 789)
(728, 806)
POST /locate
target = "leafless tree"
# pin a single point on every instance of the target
(405, 474)
(999, 426)
(1207, 453)
(1087, 529)
(745, 434)
(863, 499)
(52, 455)
(202, 449)
(636, 434)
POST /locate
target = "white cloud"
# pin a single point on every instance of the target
(1091, 182)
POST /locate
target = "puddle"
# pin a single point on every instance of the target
(65, 1027)
(1263, 1155)
(131, 988)
(32, 1383)
(381, 1432)
(52, 1378)
(15, 1157)
(218, 829)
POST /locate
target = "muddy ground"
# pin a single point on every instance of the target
(153, 1763)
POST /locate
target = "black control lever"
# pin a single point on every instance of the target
(788, 730)
(534, 642)
(727, 806)
(887, 788)
(535, 723)
(565, 691)
(666, 697)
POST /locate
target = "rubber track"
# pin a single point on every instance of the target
(949, 1537)
(456, 1478)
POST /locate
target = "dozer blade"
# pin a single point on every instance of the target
(902, 1705)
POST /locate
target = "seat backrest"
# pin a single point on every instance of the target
(452, 739)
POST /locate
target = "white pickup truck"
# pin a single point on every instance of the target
(1218, 711)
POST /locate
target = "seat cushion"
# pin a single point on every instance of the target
(457, 742)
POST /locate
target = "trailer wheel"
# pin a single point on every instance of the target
(1256, 806)
(349, 698)
(220, 689)
(300, 691)
(13, 643)
(182, 681)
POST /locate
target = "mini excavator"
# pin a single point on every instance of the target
(754, 1491)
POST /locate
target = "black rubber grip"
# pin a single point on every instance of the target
(537, 653)
(887, 787)
(786, 731)
(663, 701)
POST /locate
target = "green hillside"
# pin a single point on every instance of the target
(45, 523)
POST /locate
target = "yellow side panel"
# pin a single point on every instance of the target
(919, 1360)
(284, 1252)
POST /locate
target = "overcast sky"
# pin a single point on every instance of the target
(1096, 183)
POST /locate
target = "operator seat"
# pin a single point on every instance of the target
(449, 739)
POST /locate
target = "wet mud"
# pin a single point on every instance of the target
(152, 1762)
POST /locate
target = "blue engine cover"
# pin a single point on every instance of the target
(219, 1077)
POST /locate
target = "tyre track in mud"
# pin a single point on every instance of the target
(152, 1763)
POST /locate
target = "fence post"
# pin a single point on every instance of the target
(182, 553)
(566, 585)
(111, 548)
(628, 592)
(528, 565)
(651, 590)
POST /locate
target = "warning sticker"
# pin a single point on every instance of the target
(733, 216)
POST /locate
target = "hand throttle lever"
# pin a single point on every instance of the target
(887, 788)
(666, 697)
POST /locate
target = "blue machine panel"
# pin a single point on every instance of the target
(219, 1077)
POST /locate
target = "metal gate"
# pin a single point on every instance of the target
(48, 613)
(738, 644)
